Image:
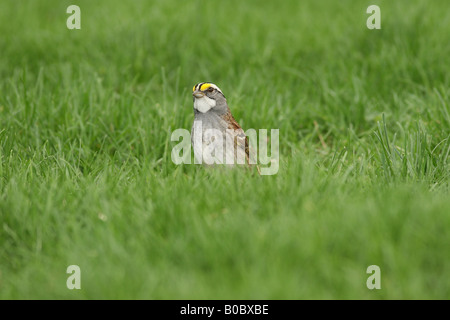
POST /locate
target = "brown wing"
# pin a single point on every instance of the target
(241, 140)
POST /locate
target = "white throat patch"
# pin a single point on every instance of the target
(204, 104)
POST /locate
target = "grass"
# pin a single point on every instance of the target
(86, 176)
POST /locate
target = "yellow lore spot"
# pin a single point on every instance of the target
(205, 86)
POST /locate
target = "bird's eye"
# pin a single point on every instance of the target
(210, 89)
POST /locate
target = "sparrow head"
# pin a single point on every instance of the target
(207, 89)
(207, 96)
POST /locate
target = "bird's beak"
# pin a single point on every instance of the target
(198, 94)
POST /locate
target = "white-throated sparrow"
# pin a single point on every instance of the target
(216, 136)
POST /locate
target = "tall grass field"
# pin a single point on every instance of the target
(87, 179)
